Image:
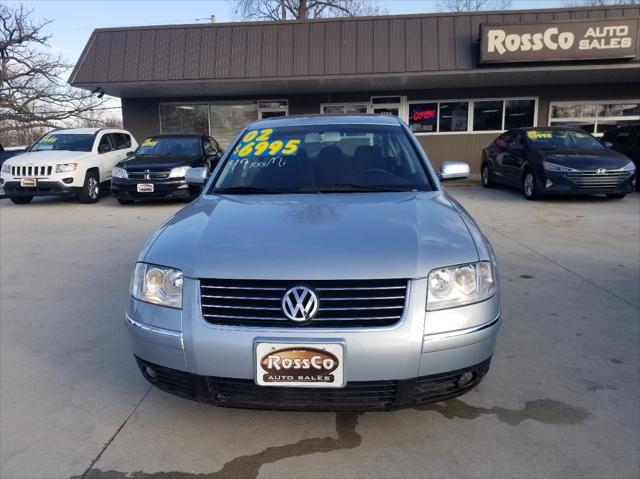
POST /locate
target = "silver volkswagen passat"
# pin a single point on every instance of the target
(323, 267)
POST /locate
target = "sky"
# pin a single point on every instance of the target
(72, 21)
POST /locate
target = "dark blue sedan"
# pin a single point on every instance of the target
(556, 160)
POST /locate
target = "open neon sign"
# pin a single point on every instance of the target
(422, 115)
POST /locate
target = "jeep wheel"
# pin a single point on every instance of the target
(91, 190)
(21, 200)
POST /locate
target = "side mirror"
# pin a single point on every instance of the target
(454, 170)
(197, 176)
(130, 154)
(607, 144)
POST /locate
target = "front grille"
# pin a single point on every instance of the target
(591, 180)
(31, 171)
(147, 175)
(342, 304)
(355, 396)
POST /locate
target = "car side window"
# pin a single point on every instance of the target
(126, 139)
(503, 140)
(116, 141)
(516, 140)
(105, 144)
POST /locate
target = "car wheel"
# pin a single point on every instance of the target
(21, 200)
(91, 190)
(530, 186)
(616, 196)
(124, 202)
(484, 175)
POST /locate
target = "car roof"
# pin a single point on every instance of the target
(344, 119)
(179, 135)
(550, 128)
(88, 131)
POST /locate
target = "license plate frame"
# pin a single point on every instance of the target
(28, 183)
(145, 188)
(310, 370)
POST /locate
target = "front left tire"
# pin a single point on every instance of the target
(530, 186)
(21, 200)
(485, 176)
(91, 189)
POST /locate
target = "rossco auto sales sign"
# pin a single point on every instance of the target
(558, 41)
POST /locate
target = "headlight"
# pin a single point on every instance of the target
(628, 167)
(6, 167)
(558, 168)
(118, 172)
(179, 172)
(157, 285)
(459, 285)
(64, 167)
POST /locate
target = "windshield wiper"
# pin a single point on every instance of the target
(350, 187)
(245, 190)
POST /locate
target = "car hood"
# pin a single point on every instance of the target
(586, 159)
(47, 157)
(159, 162)
(324, 236)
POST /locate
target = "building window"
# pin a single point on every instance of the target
(471, 115)
(595, 117)
(388, 105)
(487, 115)
(519, 114)
(423, 117)
(337, 108)
(272, 108)
(184, 118)
(453, 116)
(229, 118)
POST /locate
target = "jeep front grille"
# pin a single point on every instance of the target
(31, 171)
(342, 304)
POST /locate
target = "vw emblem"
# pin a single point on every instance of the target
(601, 171)
(300, 304)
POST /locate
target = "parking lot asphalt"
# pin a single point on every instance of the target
(560, 401)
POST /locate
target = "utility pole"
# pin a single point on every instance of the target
(283, 11)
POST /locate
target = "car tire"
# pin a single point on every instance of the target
(91, 189)
(21, 200)
(616, 196)
(124, 202)
(530, 186)
(485, 176)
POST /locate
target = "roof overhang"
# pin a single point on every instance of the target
(575, 74)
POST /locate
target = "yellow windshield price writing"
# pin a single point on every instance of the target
(149, 143)
(263, 148)
(262, 135)
(539, 135)
(49, 139)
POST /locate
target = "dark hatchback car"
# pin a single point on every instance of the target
(556, 160)
(157, 169)
(626, 140)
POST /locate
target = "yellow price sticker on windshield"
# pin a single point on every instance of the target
(149, 142)
(538, 135)
(49, 139)
(264, 148)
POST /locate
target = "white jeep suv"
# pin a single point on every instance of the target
(71, 162)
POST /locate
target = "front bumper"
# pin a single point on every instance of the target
(126, 189)
(42, 188)
(425, 351)
(563, 184)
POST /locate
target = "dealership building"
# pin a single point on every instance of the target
(457, 79)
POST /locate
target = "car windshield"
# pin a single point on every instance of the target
(169, 146)
(322, 158)
(562, 140)
(64, 141)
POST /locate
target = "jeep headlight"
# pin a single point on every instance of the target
(118, 172)
(64, 167)
(462, 284)
(179, 172)
(157, 285)
(6, 167)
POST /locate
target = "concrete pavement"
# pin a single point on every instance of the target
(561, 398)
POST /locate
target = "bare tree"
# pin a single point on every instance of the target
(303, 9)
(475, 5)
(33, 94)
(598, 3)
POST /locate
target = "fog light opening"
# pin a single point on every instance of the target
(150, 374)
(67, 180)
(465, 379)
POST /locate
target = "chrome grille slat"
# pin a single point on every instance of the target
(37, 171)
(591, 179)
(342, 303)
